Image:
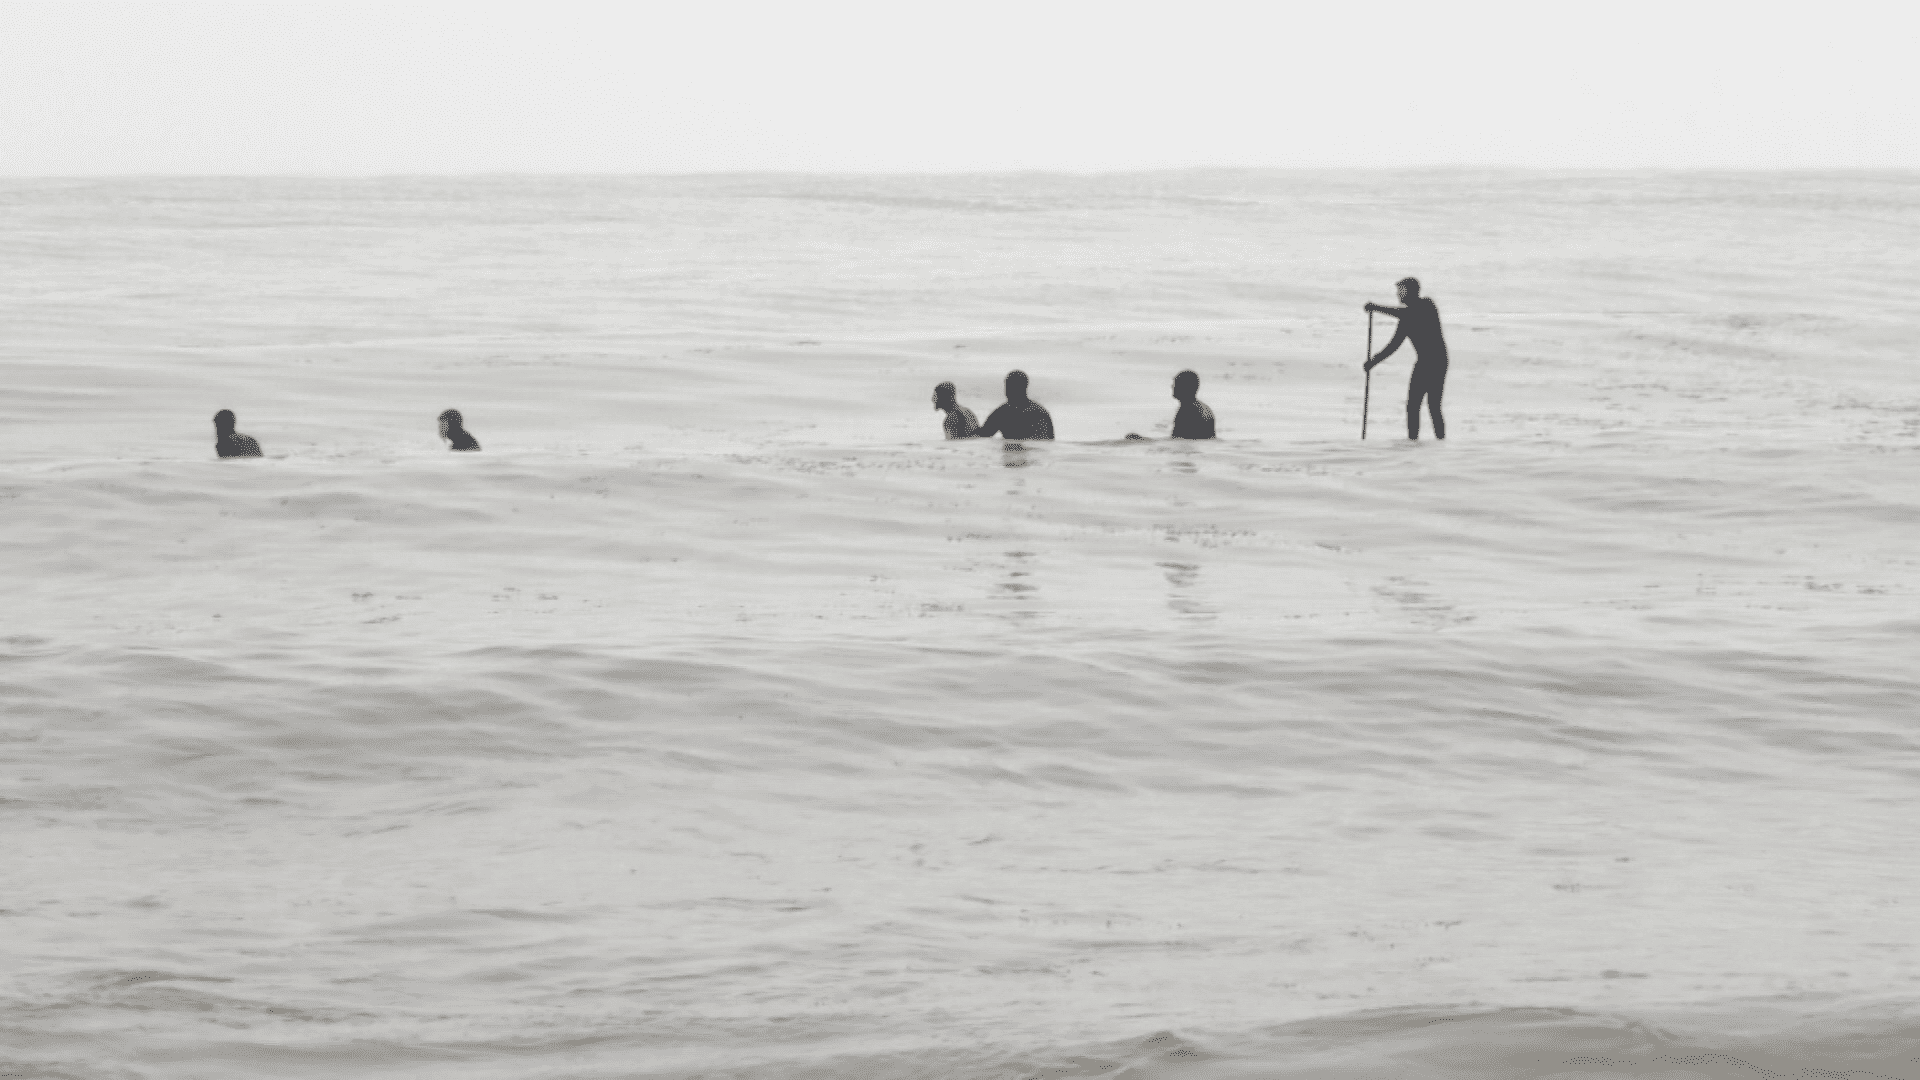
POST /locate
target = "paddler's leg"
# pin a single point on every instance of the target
(1415, 388)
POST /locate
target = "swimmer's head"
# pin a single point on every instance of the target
(1186, 385)
(1409, 288)
(450, 421)
(223, 422)
(1016, 385)
(943, 396)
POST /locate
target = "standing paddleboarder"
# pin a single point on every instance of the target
(1420, 322)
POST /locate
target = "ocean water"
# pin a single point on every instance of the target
(719, 719)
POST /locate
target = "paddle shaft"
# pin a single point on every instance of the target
(1366, 397)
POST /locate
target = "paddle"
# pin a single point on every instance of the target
(1366, 397)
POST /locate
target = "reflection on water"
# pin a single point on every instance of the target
(1182, 579)
(1423, 608)
(1018, 585)
(1180, 575)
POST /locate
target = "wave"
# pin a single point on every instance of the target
(1432, 1041)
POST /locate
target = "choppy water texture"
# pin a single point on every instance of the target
(720, 720)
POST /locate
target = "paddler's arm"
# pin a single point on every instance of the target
(1399, 336)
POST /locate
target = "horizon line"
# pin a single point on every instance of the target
(483, 174)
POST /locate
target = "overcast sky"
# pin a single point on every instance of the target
(399, 87)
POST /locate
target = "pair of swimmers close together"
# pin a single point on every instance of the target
(230, 443)
(1024, 418)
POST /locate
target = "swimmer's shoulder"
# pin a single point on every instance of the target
(1040, 420)
(238, 446)
(1193, 421)
(961, 423)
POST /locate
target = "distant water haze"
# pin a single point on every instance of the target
(720, 717)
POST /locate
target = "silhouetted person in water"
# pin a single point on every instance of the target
(960, 422)
(1193, 420)
(1021, 417)
(451, 431)
(1420, 323)
(228, 442)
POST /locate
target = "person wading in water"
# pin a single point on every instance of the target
(1192, 420)
(1420, 323)
(1021, 417)
(228, 442)
(960, 422)
(453, 429)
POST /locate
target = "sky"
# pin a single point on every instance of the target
(826, 86)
